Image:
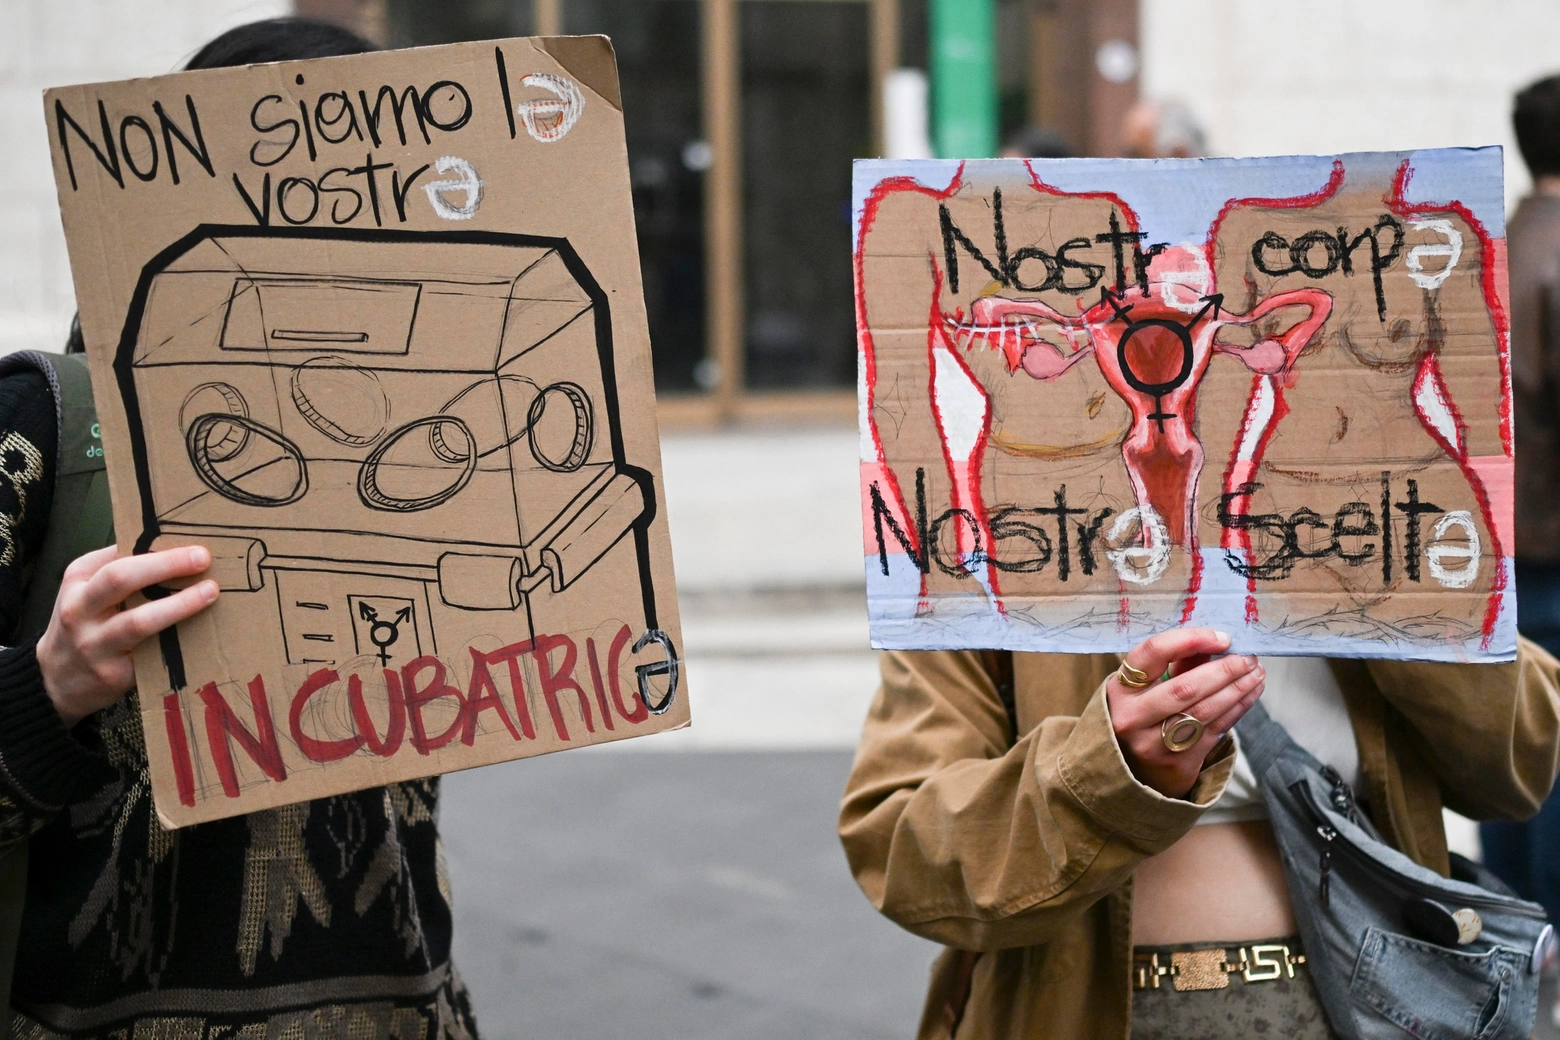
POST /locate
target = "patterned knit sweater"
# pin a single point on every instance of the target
(326, 919)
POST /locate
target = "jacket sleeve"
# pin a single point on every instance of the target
(968, 842)
(1490, 732)
(42, 767)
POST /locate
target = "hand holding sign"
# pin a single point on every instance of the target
(84, 655)
(1216, 693)
(417, 426)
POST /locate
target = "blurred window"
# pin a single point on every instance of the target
(806, 113)
(657, 45)
(418, 23)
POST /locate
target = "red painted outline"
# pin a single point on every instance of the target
(1315, 198)
(1488, 261)
(937, 335)
(1124, 611)
(1133, 224)
(869, 210)
(1280, 408)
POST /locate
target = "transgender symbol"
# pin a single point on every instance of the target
(382, 633)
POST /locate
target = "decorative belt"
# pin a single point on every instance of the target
(1211, 969)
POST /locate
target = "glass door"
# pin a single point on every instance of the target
(657, 45)
(806, 113)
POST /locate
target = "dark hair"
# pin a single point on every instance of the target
(274, 39)
(278, 39)
(1039, 142)
(1536, 118)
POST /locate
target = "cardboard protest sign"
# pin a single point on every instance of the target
(371, 329)
(1102, 398)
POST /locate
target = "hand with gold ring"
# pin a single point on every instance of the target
(1167, 727)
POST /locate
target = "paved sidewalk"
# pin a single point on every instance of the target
(613, 892)
(766, 541)
(602, 896)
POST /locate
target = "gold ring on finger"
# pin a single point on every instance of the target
(1180, 732)
(1133, 677)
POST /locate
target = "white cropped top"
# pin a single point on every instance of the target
(1304, 697)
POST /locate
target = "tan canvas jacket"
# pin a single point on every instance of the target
(1024, 852)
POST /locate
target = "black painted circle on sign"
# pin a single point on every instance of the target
(1156, 390)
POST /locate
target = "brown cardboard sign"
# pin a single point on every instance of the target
(371, 329)
(1103, 398)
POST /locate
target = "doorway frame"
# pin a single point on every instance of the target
(731, 399)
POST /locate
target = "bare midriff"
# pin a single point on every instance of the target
(1222, 882)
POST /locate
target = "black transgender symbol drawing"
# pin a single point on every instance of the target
(396, 436)
(1179, 330)
(383, 632)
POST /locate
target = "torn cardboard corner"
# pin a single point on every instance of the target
(1103, 398)
(371, 330)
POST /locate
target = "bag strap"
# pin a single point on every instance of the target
(81, 517)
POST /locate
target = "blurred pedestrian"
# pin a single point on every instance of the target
(1527, 855)
(1162, 130)
(326, 918)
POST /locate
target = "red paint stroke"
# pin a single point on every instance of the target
(869, 211)
(1280, 408)
(1488, 264)
(1133, 223)
(967, 487)
(179, 749)
(1315, 198)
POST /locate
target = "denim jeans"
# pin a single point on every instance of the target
(1527, 855)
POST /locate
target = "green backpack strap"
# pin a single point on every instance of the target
(81, 519)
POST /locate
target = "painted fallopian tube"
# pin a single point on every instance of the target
(1153, 348)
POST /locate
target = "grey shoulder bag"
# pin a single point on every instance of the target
(1393, 947)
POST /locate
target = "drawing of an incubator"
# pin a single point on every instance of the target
(385, 431)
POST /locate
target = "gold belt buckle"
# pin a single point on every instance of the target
(1200, 969)
(1194, 970)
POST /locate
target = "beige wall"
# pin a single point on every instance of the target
(45, 43)
(1328, 76)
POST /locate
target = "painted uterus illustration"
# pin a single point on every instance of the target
(1153, 342)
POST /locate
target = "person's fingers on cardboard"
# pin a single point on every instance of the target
(112, 584)
(1190, 688)
(1156, 653)
(1174, 772)
(124, 630)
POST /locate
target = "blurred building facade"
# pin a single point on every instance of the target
(743, 116)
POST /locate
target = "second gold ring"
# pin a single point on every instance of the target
(1180, 732)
